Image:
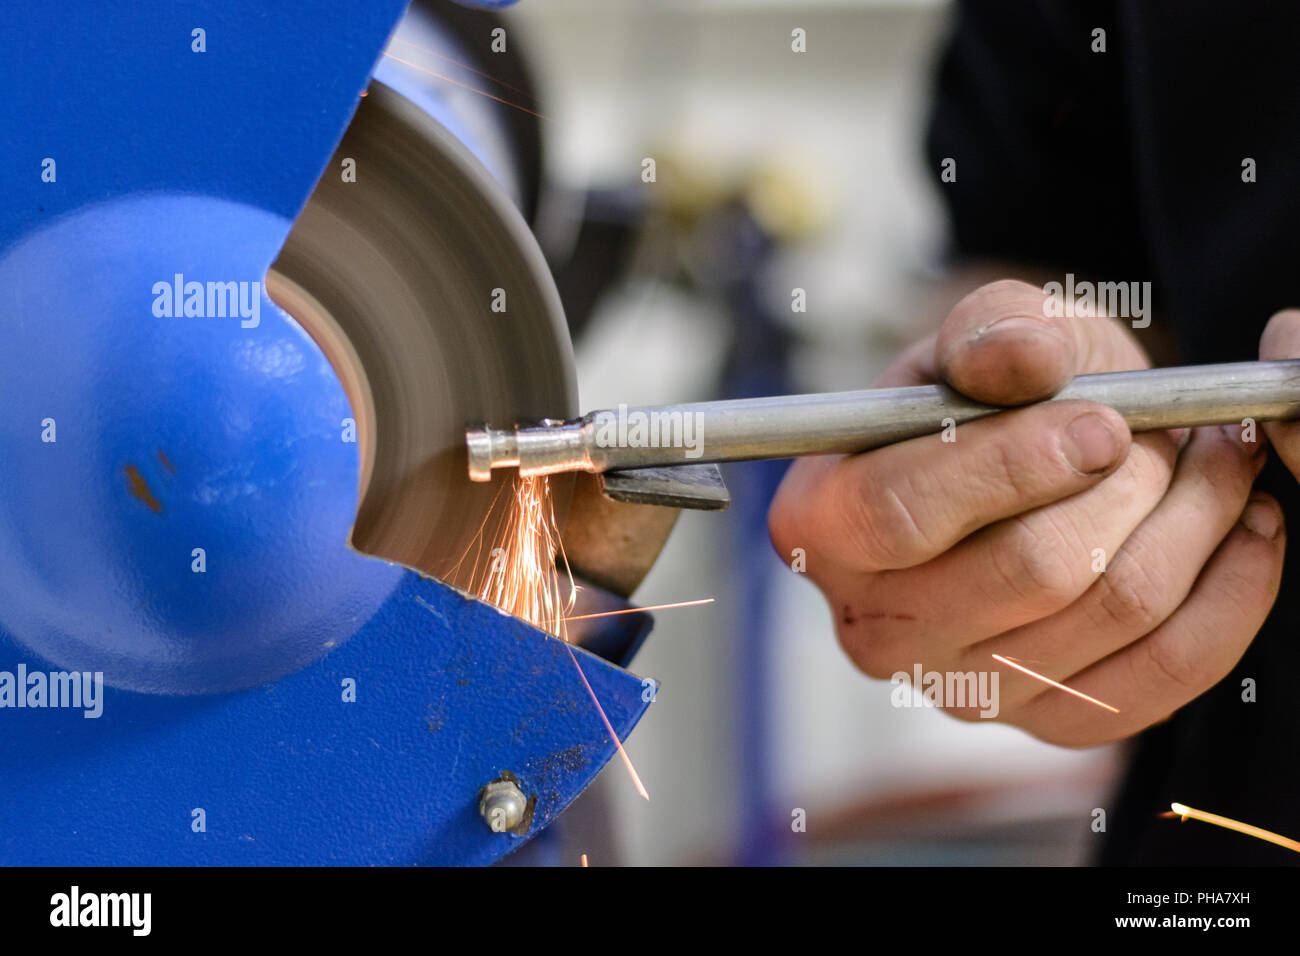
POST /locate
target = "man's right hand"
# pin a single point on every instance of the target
(945, 553)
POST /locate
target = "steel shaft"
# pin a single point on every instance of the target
(790, 426)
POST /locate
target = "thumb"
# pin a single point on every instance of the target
(1281, 340)
(999, 345)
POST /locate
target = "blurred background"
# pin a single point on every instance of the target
(774, 171)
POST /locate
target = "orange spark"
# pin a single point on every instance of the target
(1048, 680)
(635, 610)
(523, 581)
(584, 859)
(1184, 812)
(470, 582)
(463, 66)
(464, 86)
(618, 744)
(521, 577)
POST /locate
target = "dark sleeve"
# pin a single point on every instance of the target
(1036, 123)
(1127, 164)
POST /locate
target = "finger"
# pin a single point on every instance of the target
(914, 366)
(1150, 575)
(998, 345)
(902, 505)
(1187, 655)
(1016, 571)
(1281, 340)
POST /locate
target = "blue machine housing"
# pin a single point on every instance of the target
(176, 492)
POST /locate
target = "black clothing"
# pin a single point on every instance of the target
(1127, 165)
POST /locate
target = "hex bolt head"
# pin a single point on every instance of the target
(502, 805)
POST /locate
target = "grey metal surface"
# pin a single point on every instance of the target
(394, 276)
(699, 487)
(793, 425)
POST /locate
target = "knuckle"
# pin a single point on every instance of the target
(1037, 567)
(1175, 660)
(883, 525)
(1252, 585)
(1006, 469)
(1131, 597)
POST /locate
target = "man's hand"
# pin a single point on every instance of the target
(945, 553)
(1281, 340)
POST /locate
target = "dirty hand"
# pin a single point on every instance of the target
(943, 553)
(1281, 340)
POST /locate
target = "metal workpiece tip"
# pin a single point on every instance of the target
(489, 448)
(547, 449)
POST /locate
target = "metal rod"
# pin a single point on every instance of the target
(793, 425)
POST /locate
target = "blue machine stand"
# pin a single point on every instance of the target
(176, 497)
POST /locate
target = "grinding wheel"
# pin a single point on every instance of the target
(396, 275)
(180, 544)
